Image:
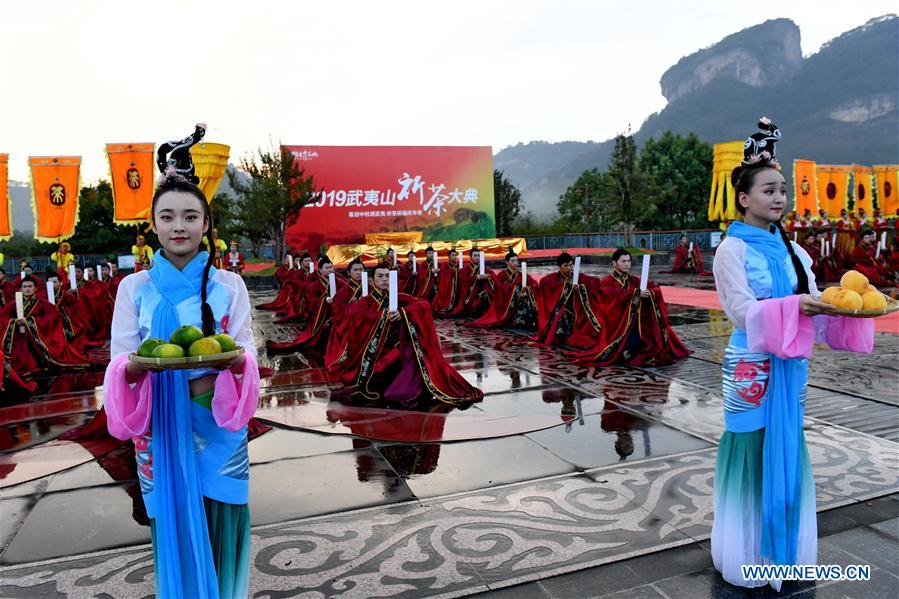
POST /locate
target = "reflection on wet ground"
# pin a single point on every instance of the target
(541, 417)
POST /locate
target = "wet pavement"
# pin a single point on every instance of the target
(558, 469)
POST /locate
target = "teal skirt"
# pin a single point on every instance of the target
(737, 494)
(229, 536)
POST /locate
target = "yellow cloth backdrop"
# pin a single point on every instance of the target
(210, 162)
(887, 188)
(805, 186)
(722, 203)
(395, 237)
(863, 197)
(494, 249)
(131, 173)
(833, 184)
(55, 184)
(5, 200)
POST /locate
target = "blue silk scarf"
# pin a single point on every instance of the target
(782, 451)
(184, 567)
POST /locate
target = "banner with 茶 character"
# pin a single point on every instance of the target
(131, 173)
(445, 192)
(55, 186)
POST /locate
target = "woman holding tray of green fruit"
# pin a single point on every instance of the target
(187, 411)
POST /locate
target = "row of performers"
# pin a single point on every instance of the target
(868, 256)
(53, 336)
(227, 256)
(847, 227)
(595, 321)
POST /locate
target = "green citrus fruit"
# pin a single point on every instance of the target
(226, 341)
(186, 335)
(146, 348)
(168, 350)
(204, 347)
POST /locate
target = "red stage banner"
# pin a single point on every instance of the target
(5, 200)
(444, 192)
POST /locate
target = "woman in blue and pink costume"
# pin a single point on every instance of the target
(189, 427)
(764, 491)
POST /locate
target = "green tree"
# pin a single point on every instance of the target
(507, 200)
(223, 213)
(678, 173)
(628, 201)
(584, 205)
(272, 198)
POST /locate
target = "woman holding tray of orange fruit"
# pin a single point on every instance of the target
(764, 493)
(189, 426)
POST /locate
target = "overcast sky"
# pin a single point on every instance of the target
(78, 74)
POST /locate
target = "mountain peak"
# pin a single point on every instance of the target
(758, 56)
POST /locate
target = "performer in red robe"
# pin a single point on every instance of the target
(426, 287)
(234, 259)
(814, 247)
(474, 289)
(282, 273)
(804, 226)
(115, 277)
(791, 221)
(94, 294)
(390, 259)
(636, 328)
(881, 226)
(864, 259)
(863, 219)
(845, 239)
(822, 221)
(408, 280)
(685, 261)
(76, 315)
(448, 293)
(346, 295)
(314, 338)
(511, 305)
(12, 384)
(37, 343)
(295, 308)
(395, 356)
(555, 304)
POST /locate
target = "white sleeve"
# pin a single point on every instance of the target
(734, 292)
(240, 316)
(125, 327)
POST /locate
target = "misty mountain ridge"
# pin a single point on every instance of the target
(838, 105)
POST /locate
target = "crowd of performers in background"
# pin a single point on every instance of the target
(594, 321)
(380, 354)
(67, 312)
(852, 241)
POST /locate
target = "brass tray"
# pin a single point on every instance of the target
(892, 306)
(187, 362)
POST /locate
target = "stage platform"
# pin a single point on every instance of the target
(565, 481)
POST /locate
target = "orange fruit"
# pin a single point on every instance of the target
(204, 347)
(848, 299)
(168, 350)
(827, 295)
(185, 335)
(870, 288)
(854, 281)
(873, 300)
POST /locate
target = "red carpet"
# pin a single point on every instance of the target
(703, 298)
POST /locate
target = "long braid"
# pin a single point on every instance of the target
(206, 309)
(801, 275)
